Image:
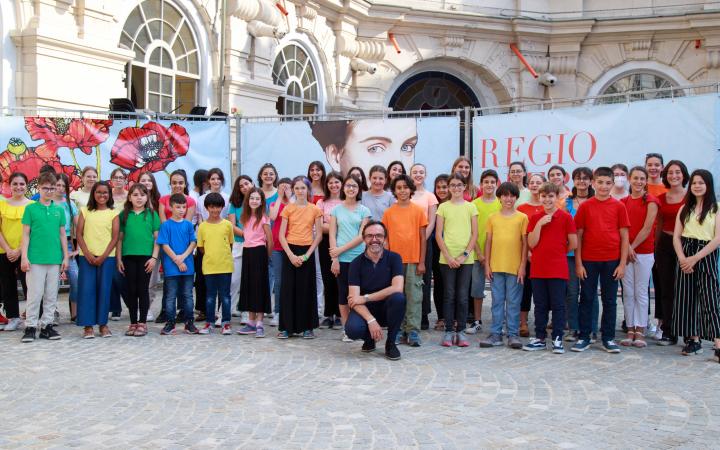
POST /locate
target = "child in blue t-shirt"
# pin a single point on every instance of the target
(177, 238)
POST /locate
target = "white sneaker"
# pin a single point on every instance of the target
(652, 328)
(150, 316)
(658, 333)
(345, 338)
(218, 321)
(474, 328)
(275, 320)
(13, 324)
(244, 318)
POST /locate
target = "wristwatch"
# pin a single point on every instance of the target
(466, 254)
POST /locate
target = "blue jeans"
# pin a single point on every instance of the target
(72, 276)
(217, 286)
(602, 272)
(549, 294)
(276, 262)
(94, 285)
(572, 300)
(388, 312)
(506, 299)
(178, 288)
(119, 289)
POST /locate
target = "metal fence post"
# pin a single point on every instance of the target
(467, 113)
(238, 148)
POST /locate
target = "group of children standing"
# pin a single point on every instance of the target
(535, 242)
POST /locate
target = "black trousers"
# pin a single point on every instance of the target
(666, 262)
(438, 288)
(330, 288)
(9, 274)
(137, 281)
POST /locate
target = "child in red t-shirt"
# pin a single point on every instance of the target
(602, 226)
(551, 235)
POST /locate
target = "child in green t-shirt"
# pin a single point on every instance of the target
(44, 256)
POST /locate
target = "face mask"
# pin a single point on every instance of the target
(620, 182)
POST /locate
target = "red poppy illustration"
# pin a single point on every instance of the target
(28, 160)
(58, 132)
(149, 148)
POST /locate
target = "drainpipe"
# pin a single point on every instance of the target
(522, 59)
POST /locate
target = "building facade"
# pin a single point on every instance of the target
(268, 57)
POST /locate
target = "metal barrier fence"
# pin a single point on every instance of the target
(465, 115)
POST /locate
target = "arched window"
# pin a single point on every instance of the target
(164, 75)
(433, 90)
(639, 81)
(294, 71)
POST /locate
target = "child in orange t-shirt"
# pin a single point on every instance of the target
(406, 223)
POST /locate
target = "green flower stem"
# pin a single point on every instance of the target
(72, 153)
(97, 157)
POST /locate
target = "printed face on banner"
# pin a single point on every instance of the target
(342, 144)
(366, 143)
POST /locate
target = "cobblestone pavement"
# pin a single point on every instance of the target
(241, 392)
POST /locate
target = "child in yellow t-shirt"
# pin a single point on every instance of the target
(215, 239)
(505, 256)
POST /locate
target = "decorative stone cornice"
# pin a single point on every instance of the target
(367, 49)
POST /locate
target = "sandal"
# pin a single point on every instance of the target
(639, 341)
(88, 333)
(140, 330)
(440, 325)
(628, 341)
(105, 331)
(131, 329)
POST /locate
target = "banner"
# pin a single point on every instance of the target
(291, 146)
(137, 146)
(683, 128)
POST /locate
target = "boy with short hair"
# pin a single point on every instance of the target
(215, 238)
(486, 205)
(551, 235)
(177, 238)
(602, 248)
(406, 223)
(505, 257)
(44, 256)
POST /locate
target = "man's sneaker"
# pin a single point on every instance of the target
(247, 329)
(28, 335)
(514, 342)
(493, 340)
(557, 346)
(345, 337)
(308, 334)
(226, 329)
(414, 339)
(368, 346)
(283, 335)
(49, 333)
(259, 332)
(534, 344)
(13, 324)
(326, 323)
(474, 328)
(581, 345)
(666, 341)
(462, 340)
(391, 352)
(207, 329)
(572, 337)
(168, 329)
(448, 339)
(190, 327)
(593, 338)
(692, 347)
(337, 323)
(275, 320)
